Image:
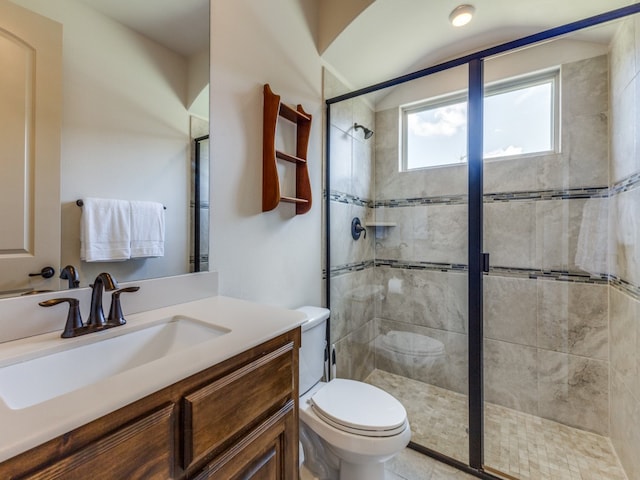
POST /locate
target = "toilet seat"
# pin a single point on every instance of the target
(359, 408)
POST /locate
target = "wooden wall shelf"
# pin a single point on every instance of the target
(271, 195)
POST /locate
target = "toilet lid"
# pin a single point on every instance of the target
(359, 408)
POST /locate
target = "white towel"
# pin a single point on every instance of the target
(147, 229)
(105, 233)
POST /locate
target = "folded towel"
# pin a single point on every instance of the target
(147, 229)
(105, 233)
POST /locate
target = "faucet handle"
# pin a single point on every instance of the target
(74, 319)
(116, 317)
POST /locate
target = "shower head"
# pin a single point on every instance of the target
(367, 133)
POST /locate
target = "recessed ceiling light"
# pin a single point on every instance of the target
(461, 15)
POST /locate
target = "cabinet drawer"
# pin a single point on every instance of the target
(141, 450)
(234, 403)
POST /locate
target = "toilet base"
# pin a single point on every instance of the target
(370, 471)
(322, 462)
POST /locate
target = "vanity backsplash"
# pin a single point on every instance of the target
(21, 317)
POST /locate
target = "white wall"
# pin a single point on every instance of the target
(273, 257)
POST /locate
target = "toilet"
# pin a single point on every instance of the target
(348, 429)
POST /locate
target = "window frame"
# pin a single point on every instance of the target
(520, 82)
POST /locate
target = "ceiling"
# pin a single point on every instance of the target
(180, 25)
(394, 37)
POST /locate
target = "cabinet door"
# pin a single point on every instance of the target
(142, 450)
(270, 452)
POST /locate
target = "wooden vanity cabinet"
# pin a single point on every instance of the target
(237, 419)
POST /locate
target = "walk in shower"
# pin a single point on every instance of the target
(523, 363)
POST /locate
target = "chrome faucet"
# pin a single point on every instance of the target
(96, 314)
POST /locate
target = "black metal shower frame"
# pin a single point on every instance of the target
(197, 202)
(478, 261)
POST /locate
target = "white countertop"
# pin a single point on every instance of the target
(250, 324)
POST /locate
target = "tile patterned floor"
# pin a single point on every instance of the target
(519, 444)
(411, 465)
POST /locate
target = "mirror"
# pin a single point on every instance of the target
(135, 99)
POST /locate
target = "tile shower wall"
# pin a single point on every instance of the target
(352, 275)
(546, 299)
(624, 309)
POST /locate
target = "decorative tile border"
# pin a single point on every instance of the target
(528, 273)
(435, 266)
(414, 202)
(341, 197)
(559, 275)
(629, 183)
(350, 267)
(566, 194)
(630, 289)
(534, 195)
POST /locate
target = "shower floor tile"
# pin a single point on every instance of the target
(519, 444)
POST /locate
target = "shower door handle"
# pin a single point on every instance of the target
(485, 262)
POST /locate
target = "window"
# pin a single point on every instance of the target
(520, 118)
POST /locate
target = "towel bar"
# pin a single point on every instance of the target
(80, 203)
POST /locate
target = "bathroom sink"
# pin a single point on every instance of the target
(93, 358)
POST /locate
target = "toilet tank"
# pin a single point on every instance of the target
(313, 347)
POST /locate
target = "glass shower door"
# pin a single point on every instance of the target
(417, 225)
(515, 362)
(546, 202)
